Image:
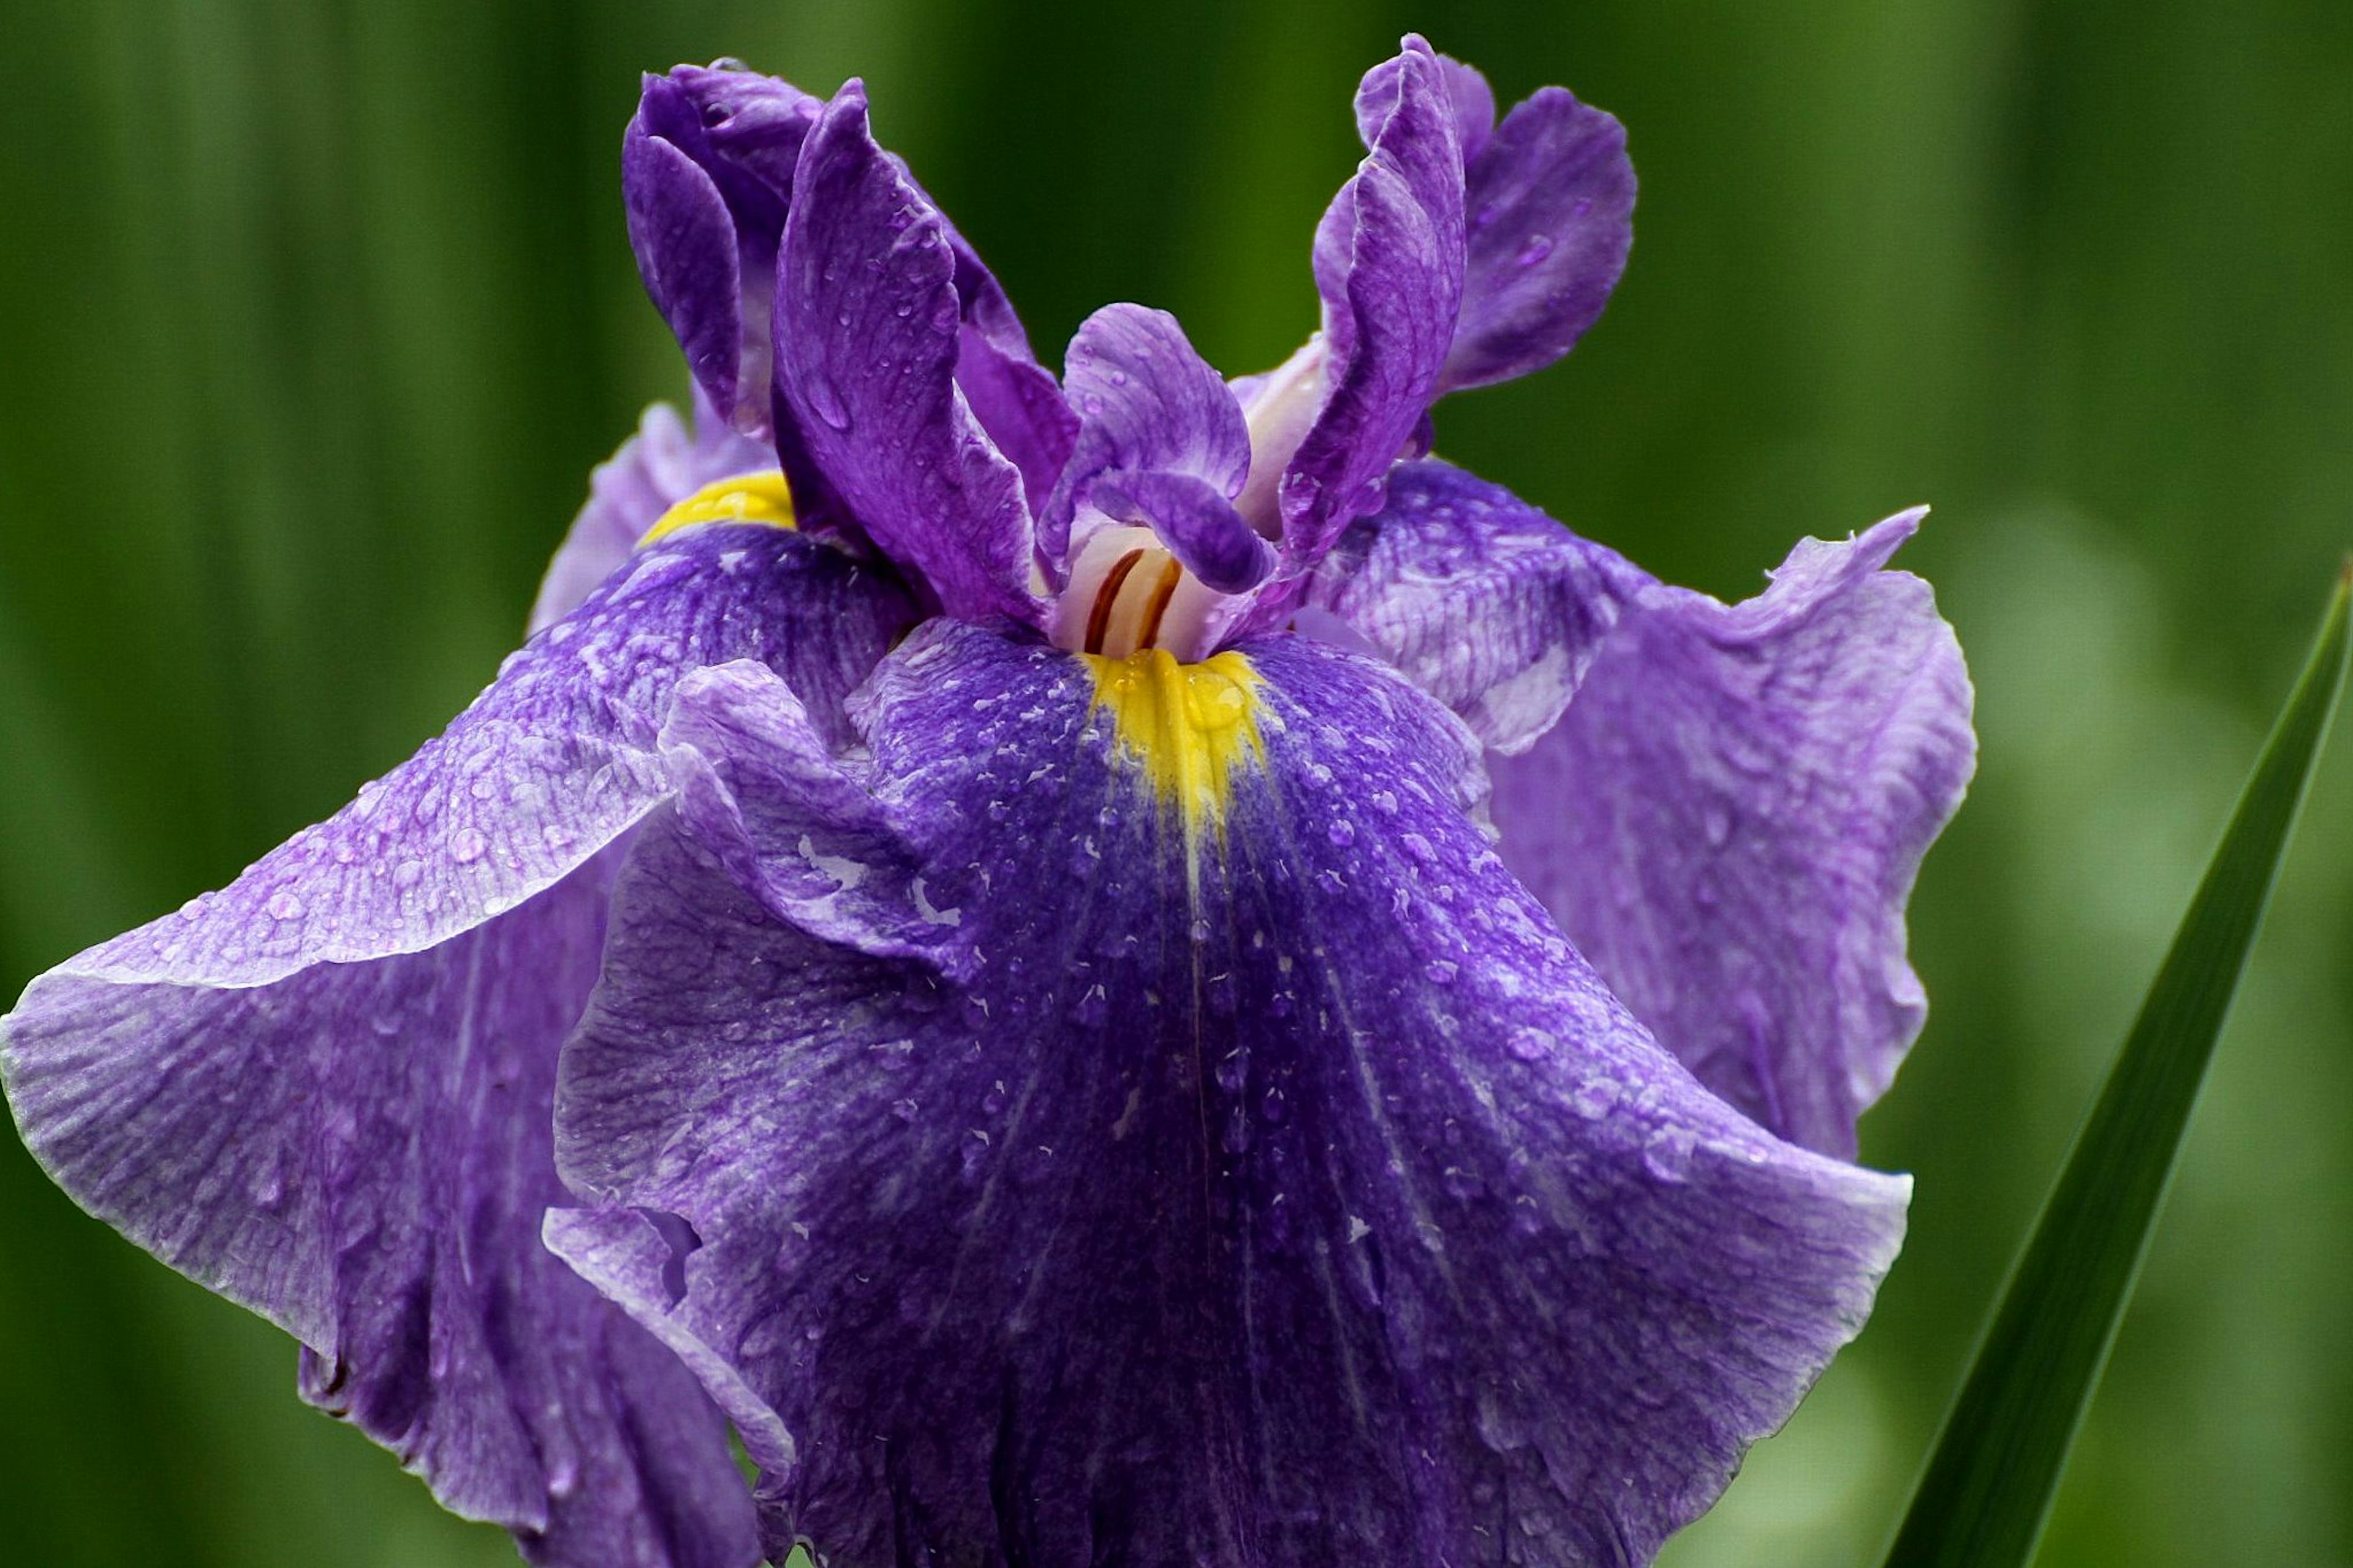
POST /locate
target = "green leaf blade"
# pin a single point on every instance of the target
(1988, 1485)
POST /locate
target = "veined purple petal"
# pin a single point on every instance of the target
(654, 469)
(868, 329)
(1480, 600)
(706, 175)
(1279, 1188)
(326, 1091)
(1014, 397)
(1388, 263)
(707, 170)
(685, 241)
(1550, 201)
(1727, 820)
(1475, 107)
(759, 789)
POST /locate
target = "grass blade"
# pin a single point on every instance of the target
(1983, 1501)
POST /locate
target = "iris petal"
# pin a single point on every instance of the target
(1728, 818)
(868, 329)
(1388, 262)
(1285, 1192)
(1550, 199)
(326, 1090)
(1479, 598)
(653, 470)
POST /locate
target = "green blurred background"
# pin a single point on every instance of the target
(313, 316)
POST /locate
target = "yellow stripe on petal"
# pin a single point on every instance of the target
(762, 497)
(1187, 726)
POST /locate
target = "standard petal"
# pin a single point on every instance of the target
(1475, 106)
(706, 178)
(1551, 205)
(686, 253)
(1388, 263)
(1279, 1189)
(1727, 820)
(868, 329)
(1480, 600)
(654, 470)
(326, 1091)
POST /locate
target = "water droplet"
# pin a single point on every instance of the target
(1537, 248)
(1200, 932)
(825, 399)
(407, 873)
(466, 845)
(904, 1109)
(1342, 832)
(285, 907)
(1529, 1044)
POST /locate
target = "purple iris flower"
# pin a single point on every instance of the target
(1128, 971)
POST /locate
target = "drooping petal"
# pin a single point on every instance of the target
(1479, 599)
(759, 789)
(654, 469)
(1389, 265)
(868, 329)
(1280, 1188)
(1550, 200)
(1727, 819)
(365, 1152)
(326, 1090)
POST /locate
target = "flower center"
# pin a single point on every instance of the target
(1127, 594)
(1185, 727)
(762, 497)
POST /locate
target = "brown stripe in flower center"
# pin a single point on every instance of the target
(1106, 597)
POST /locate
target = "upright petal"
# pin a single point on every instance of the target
(1478, 598)
(1551, 203)
(326, 1091)
(707, 176)
(1388, 263)
(707, 173)
(1279, 1188)
(1014, 397)
(654, 469)
(1727, 820)
(868, 329)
